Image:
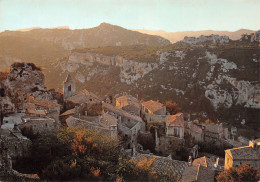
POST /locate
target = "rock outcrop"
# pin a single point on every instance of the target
(212, 39)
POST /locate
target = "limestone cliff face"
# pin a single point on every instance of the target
(130, 70)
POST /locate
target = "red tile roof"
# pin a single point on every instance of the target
(176, 119)
(152, 105)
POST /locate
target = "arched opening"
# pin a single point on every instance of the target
(69, 88)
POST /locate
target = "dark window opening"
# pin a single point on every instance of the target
(69, 88)
(2, 92)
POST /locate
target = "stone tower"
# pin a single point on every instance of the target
(69, 87)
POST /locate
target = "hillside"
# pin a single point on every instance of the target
(177, 36)
(221, 82)
(41, 45)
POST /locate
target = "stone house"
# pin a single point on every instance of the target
(123, 117)
(105, 124)
(82, 97)
(153, 112)
(69, 87)
(50, 108)
(153, 107)
(129, 104)
(12, 119)
(38, 125)
(213, 132)
(196, 131)
(175, 125)
(247, 154)
(128, 125)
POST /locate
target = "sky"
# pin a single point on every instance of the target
(167, 15)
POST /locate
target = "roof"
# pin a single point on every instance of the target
(68, 112)
(176, 120)
(132, 109)
(198, 173)
(213, 128)
(190, 174)
(129, 99)
(38, 112)
(42, 102)
(163, 165)
(68, 79)
(245, 153)
(204, 161)
(120, 112)
(152, 105)
(83, 96)
(108, 120)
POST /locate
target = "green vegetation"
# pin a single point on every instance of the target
(79, 154)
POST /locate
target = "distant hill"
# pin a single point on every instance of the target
(42, 45)
(177, 36)
(33, 28)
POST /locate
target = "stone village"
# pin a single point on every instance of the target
(26, 105)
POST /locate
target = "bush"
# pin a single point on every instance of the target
(245, 172)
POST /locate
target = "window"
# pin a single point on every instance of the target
(2, 92)
(69, 88)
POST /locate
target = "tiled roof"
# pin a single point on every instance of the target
(190, 174)
(245, 153)
(41, 102)
(108, 120)
(68, 112)
(83, 96)
(68, 79)
(37, 112)
(205, 174)
(198, 173)
(120, 112)
(164, 166)
(204, 161)
(152, 105)
(176, 119)
(213, 128)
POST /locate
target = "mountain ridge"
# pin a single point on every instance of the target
(177, 36)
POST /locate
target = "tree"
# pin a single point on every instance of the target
(245, 172)
(172, 107)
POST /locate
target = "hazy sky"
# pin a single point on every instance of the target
(168, 15)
